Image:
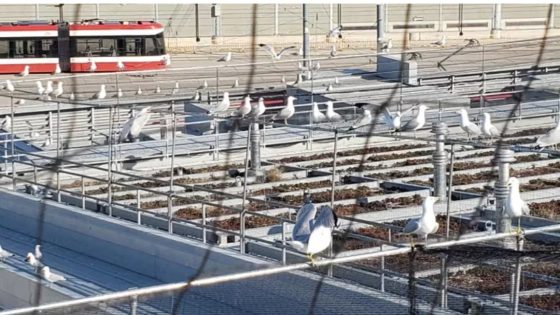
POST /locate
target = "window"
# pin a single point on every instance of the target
(4, 48)
(22, 48)
(89, 47)
(155, 45)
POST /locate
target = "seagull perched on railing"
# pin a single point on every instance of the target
(287, 112)
(7, 123)
(92, 66)
(385, 45)
(468, 126)
(224, 104)
(132, 127)
(313, 235)
(417, 122)
(40, 88)
(516, 207)
(59, 90)
(552, 137)
(488, 129)
(56, 70)
(275, 56)
(426, 224)
(10, 86)
(245, 108)
(316, 115)
(364, 120)
(49, 89)
(331, 115)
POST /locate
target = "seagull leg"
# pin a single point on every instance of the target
(310, 256)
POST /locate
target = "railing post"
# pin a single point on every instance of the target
(449, 191)
(134, 305)
(83, 192)
(283, 243)
(170, 213)
(440, 160)
(139, 207)
(452, 84)
(382, 280)
(503, 158)
(13, 144)
(443, 282)
(517, 278)
(204, 223)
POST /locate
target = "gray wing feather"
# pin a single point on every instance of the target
(412, 226)
(387, 117)
(410, 125)
(325, 218)
(302, 228)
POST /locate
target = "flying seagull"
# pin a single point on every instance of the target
(552, 137)
(132, 127)
(272, 52)
(393, 121)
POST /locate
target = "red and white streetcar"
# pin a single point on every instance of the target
(94, 45)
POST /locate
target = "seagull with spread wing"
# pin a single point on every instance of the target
(275, 56)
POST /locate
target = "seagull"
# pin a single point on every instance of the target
(245, 108)
(59, 90)
(468, 126)
(33, 135)
(313, 235)
(298, 80)
(300, 51)
(441, 42)
(488, 129)
(120, 66)
(417, 122)
(335, 32)
(316, 66)
(235, 84)
(7, 123)
(119, 93)
(259, 109)
(158, 90)
(552, 137)
(386, 45)
(10, 86)
(57, 70)
(472, 42)
(49, 89)
(204, 85)
(38, 253)
(333, 51)
(414, 56)
(50, 276)
(224, 104)
(393, 121)
(40, 88)
(46, 143)
(516, 207)
(336, 82)
(4, 254)
(316, 115)
(139, 91)
(331, 115)
(362, 121)
(286, 112)
(196, 96)
(427, 223)
(92, 66)
(176, 88)
(101, 94)
(33, 261)
(275, 56)
(329, 88)
(21, 101)
(72, 96)
(132, 127)
(225, 58)
(283, 79)
(25, 71)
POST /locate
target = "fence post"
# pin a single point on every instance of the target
(139, 207)
(283, 242)
(204, 223)
(83, 191)
(439, 159)
(170, 213)
(503, 158)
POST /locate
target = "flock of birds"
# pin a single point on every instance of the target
(34, 260)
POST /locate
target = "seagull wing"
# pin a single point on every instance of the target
(126, 129)
(302, 228)
(494, 131)
(473, 129)
(409, 110)
(410, 125)
(269, 49)
(412, 226)
(326, 218)
(525, 208)
(283, 51)
(388, 117)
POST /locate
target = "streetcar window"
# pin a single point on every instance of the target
(155, 45)
(46, 48)
(22, 49)
(94, 47)
(4, 48)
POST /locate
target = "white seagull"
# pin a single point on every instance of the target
(225, 58)
(488, 129)
(310, 235)
(224, 104)
(56, 70)
(92, 66)
(386, 45)
(258, 110)
(417, 122)
(50, 276)
(10, 86)
(49, 89)
(204, 85)
(120, 66)
(158, 90)
(441, 42)
(25, 71)
(132, 127)
(427, 223)
(245, 108)
(275, 56)
(72, 96)
(101, 94)
(364, 120)
(40, 88)
(283, 79)
(119, 93)
(33, 261)
(468, 126)
(235, 84)
(393, 121)
(21, 101)
(516, 207)
(316, 115)
(139, 91)
(38, 253)
(7, 123)
(4, 254)
(59, 90)
(333, 51)
(335, 32)
(552, 137)
(331, 115)
(286, 112)
(176, 88)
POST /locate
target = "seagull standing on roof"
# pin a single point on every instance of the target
(468, 126)
(225, 58)
(158, 90)
(417, 122)
(7, 123)
(333, 51)
(40, 88)
(25, 71)
(245, 108)
(427, 223)
(287, 112)
(488, 129)
(59, 90)
(101, 94)
(364, 120)
(441, 42)
(21, 101)
(552, 137)
(235, 84)
(386, 45)
(4, 254)
(33, 261)
(516, 207)
(139, 91)
(176, 88)
(224, 104)
(50, 276)
(275, 56)
(316, 115)
(132, 127)
(10, 86)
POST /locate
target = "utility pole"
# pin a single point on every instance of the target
(380, 25)
(497, 21)
(60, 12)
(196, 25)
(305, 41)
